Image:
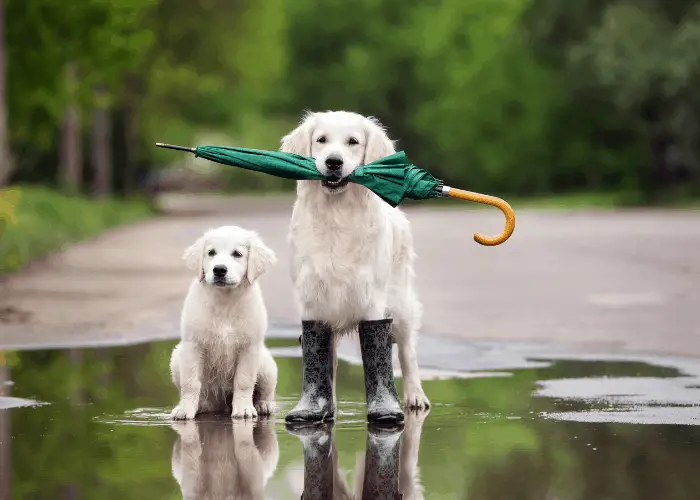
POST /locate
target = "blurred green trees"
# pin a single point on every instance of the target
(508, 96)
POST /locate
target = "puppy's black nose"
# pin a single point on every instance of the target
(334, 163)
(220, 271)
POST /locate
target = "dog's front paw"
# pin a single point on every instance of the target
(243, 410)
(181, 412)
(416, 400)
(265, 408)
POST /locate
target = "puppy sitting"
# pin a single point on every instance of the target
(222, 356)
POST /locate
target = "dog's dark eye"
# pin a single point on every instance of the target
(352, 141)
(237, 254)
(211, 252)
(321, 139)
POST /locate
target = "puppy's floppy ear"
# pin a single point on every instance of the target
(378, 144)
(260, 258)
(298, 141)
(193, 256)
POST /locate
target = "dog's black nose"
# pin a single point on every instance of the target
(220, 271)
(334, 163)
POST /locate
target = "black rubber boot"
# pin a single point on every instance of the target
(382, 400)
(317, 442)
(382, 463)
(316, 402)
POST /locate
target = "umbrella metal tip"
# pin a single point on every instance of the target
(172, 146)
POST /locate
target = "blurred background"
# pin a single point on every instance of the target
(515, 97)
(564, 103)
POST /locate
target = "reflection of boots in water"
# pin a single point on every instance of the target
(380, 392)
(381, 474)
(316, 403)
(317, 441)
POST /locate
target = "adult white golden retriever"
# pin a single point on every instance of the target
(352, 253)
(222, 355)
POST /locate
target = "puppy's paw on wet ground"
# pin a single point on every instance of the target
(243, 411)
(265, 408)
(182, 413)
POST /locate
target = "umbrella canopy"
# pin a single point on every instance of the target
(287, 165)
(392, 178)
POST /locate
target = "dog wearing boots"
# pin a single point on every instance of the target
(352, 270)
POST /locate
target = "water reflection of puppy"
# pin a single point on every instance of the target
(216, 459)
(387, 470)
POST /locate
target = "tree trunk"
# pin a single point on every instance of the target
(101, 145)
(71, 153)
(130, 137)
(5, 158)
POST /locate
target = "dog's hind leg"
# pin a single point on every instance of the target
(266, 384)
(405, 337)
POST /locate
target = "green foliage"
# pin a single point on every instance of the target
(104, 39)
(47, 220)
(510, 96)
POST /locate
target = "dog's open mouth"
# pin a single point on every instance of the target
(335, 183)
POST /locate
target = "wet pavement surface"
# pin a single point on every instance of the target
(508, 421)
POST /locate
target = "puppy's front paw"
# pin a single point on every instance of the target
(416, 400)
(265, 408)
(180, 412)
(243, 410)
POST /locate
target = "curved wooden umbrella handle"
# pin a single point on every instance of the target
(502, 205)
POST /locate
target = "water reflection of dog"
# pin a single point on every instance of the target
(216, 459)
(388, 470)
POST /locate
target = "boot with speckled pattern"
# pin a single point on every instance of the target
(316, 403)
(382, 400)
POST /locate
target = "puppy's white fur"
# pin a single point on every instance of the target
(222, 353)
(211, 460)
(352, 253)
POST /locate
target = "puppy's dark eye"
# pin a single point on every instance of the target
(321, 139)
(211, 252)
(236, 254)
(352, 141)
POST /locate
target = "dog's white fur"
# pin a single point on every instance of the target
(222, 353)
(213, 460)
(352, 253)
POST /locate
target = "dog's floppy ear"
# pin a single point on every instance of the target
(298, 141)
(260, 258)
(378, 143)
(193, 256)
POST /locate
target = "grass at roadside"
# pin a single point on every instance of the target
(47, 220)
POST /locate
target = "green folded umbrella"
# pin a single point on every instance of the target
(392, 178)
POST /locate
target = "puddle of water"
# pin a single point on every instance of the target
(565, 430)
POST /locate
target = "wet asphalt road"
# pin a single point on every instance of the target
(525, 352)
(604, 281)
